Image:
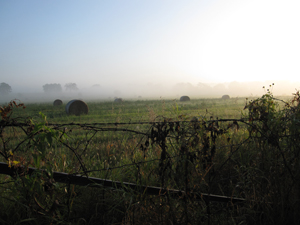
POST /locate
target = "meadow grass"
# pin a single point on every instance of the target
(199, 159)
(136, 111)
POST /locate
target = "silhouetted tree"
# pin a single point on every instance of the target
(204, 89)
(71, 87)
(238, 89)
(4, 88)
(48, 88)
(220, 89)
(96, 86)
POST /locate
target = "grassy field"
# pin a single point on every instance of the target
(251, 154)
(102, 112)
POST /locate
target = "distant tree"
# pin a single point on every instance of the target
(239, 89)
(204, 89)
(4, 88)
(220, 89)
(71, 87)
(48, 88)
(96, 86)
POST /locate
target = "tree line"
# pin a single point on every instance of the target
(48, 88)
(5, 88)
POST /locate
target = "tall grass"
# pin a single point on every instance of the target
(136, 110)
(253, 155)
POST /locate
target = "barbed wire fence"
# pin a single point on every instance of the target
(187, 156)
(179, 137)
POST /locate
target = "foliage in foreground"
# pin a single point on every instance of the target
(255, 158)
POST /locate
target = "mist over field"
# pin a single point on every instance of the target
(148, 49)
(132, 92)
(124, 66)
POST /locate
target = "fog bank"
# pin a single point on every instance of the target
(129, 91)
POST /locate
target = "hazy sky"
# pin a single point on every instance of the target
(159, 41)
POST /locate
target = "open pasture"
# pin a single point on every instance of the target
(251, 154)
(110, 138)
(148, 110)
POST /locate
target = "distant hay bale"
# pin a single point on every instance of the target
(225, 97)
(118, 100)
(184, 98)
(57, 102)
(76, 107)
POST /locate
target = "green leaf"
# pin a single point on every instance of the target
(36, 160)
(49, 138)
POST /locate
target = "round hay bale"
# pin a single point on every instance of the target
(225, 97)
(118, 100)
(57, 102)
(77, 107)
(184, 98)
